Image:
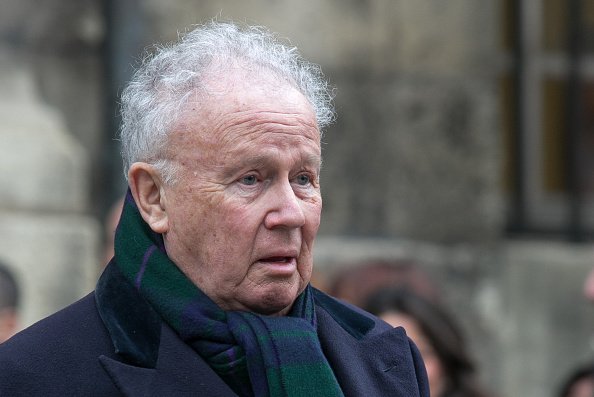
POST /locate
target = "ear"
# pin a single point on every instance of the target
(147, 188)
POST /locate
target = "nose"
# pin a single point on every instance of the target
(285, 208)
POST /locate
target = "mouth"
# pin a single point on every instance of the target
(277, 259)
(279, 266)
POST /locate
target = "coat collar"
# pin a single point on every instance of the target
(179, 371)
(368, 356)
(352, 320)
(134, 327)
(150, 360)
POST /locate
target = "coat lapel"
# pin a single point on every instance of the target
(375, 360)
(179, 372)
(149, 358)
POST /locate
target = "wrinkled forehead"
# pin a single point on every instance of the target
(234, 89)
(238, 103)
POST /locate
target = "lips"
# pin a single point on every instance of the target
(278, 255)
(278, 265)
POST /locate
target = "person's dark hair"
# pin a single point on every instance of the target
(583, 372)
(356, 282)
(9, 291)
(442, 333)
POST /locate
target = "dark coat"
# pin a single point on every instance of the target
(112, 343)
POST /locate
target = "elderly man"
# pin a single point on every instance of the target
(208, 293)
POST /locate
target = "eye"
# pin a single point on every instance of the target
(248, 180)
(303, 179)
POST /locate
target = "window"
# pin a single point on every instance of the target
(547, 102)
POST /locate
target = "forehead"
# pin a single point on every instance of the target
(246, 108)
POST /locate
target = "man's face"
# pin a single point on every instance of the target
(245, 208)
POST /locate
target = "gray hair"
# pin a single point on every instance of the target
(166, 80)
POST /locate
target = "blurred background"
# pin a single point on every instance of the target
(464, 143)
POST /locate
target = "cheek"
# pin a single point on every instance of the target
(313, 215)
(239, 222)
(310, 231)
(193, 219)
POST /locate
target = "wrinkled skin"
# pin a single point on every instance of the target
(241, 217)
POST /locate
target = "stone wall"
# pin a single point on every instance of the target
(45, 236)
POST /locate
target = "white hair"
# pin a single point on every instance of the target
(165, 81)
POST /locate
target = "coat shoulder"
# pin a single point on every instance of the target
(352, 319)
(369, 357)
(59, 352)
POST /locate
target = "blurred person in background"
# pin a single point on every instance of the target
(355, 282)
(589, 286)
(579, 383)
(451, 370)
(209, 290)
(9, 301)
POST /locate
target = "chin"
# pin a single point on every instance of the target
(275, 302)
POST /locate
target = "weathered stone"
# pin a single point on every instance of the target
(546, 325)
(418, 161)
(54, 258)
(42, 168)
(44, 235)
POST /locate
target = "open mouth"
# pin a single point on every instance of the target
(277, 259)
(279, 266)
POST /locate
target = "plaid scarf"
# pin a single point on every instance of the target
(255, 355)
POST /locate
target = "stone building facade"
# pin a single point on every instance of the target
(412, 167)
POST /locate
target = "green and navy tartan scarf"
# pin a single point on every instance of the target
(255, 355)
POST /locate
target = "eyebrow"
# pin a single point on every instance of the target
(311, 159)
(261, 160)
